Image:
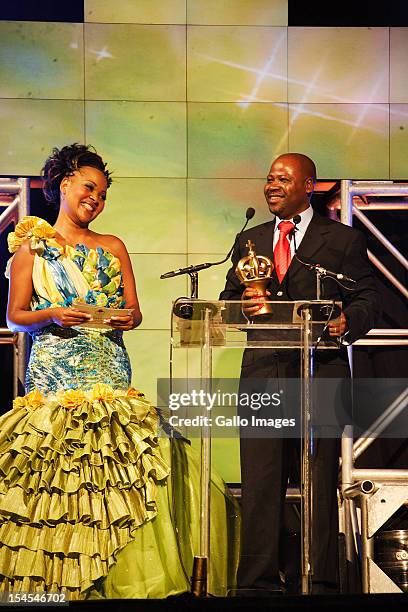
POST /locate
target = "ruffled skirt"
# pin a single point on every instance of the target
(94, 503)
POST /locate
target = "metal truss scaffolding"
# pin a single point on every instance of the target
(14, 204)
(378, 493)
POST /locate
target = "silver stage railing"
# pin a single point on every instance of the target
(14, 204)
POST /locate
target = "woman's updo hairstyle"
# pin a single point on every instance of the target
(64, 162)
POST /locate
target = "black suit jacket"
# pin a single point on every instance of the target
(334, 246)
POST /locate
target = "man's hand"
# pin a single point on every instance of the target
(255, 301)
(338, 327)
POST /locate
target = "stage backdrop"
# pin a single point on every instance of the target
(189, 101)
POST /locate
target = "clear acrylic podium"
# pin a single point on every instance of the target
(301, 325)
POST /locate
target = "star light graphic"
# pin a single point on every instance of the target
(266, 71)
(299, 108)
(263, 73)
(102, 54)
(366, 107)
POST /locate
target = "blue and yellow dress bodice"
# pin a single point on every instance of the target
(66, 358)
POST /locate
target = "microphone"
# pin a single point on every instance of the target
(250, 213)
(315, 266)
(296, 220)
(187, 270)
(325, 272)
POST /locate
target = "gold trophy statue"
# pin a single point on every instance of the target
(255, 271)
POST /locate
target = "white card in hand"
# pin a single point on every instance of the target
(99, 314)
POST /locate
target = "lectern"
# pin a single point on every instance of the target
(291, 325)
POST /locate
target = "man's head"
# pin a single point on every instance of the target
(290, 185)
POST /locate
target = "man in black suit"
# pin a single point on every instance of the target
(266, 462)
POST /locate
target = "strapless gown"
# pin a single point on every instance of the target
(95, 500)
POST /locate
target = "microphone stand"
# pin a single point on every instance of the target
(320, 272)
(319, 276)
(193, 284)
(319, 285)
(307, 440)
(199, 578)
(192, 271)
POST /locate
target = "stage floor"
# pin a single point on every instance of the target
(332, 603)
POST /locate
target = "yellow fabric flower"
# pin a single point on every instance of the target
(72, 398)
(101, 391)
(30, 227)
(132, 392)
(19, 402)
(34, 399)
(43, 230)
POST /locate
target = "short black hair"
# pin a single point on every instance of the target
(307, 164)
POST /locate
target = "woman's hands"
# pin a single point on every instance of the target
(122, 322)
(68, 317)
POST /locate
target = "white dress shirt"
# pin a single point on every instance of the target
(305, 218)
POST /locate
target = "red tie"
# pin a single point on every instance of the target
(281, 254)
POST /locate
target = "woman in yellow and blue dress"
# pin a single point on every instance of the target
(93, 500)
